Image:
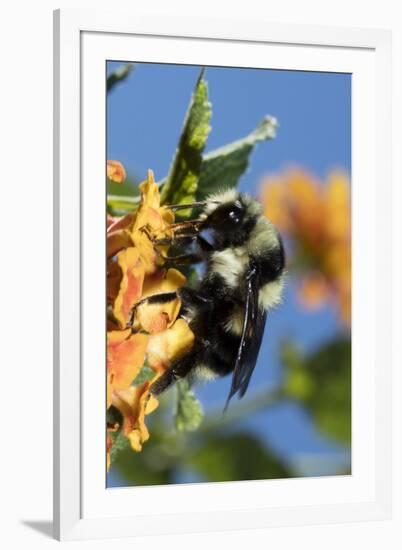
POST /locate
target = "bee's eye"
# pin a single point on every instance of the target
(235, 215)
(227, 216)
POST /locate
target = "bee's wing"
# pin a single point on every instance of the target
(253, 349)
(251, 337)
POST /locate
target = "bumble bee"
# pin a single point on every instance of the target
(244, 277)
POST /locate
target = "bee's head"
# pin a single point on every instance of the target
(231, 216)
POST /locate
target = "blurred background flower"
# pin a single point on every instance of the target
(315, 216)
(295, 419)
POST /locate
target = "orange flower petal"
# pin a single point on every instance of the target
(158, 317)
(167, 215)
(149, 217)
(125, 357)
(110, 220)
(116, 241)
(145, 248)
(125, 222)
(169, 345)
(109, 389)
(113, 281)
(150, 192)
(150, 214)
(131, 284)
(134, 403)
(115, 171)
(163, 281)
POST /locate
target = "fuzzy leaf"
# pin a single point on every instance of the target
(222, 168)
(181, 183)
(120, 443)
(120, 74)
(189, 413)
(145, 374)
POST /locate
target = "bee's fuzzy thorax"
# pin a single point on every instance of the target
(230, 264)
(263, 237)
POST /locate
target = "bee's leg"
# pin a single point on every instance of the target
(204, 245)
(194, 225)
(163, 298)
(192, 297)
(181, 259)
(186, 238)
(178, 370)
(188, 296)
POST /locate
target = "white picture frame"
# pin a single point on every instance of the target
(83, 507)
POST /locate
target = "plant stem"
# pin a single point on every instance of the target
(122, 202)
(260, 401)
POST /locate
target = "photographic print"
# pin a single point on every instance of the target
(228, 275)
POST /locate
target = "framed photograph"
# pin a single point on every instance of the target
(222, 275)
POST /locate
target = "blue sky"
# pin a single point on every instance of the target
(146, 112)
(145, 116)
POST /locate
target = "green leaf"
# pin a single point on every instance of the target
(181, 183)
(145, 374)
(120, 74)
(222, 168)
(120, 444)
(189, 413)
(322, 382)
(298, 384)
(237, 457)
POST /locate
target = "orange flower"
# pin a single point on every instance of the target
(313, 289)
(169, 345)
(134, 272)
(134, 403)
(115, 171)
(317, 218)
(151, 220)
(138, 229)
(125, 357)
(130, 290)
